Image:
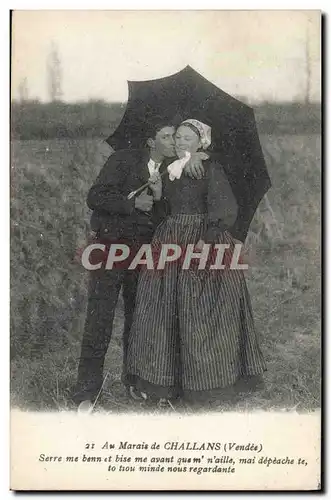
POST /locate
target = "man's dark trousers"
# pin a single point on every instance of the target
(104, 289)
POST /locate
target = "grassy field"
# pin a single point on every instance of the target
(49, 182)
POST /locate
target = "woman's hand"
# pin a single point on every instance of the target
(155, 184)
(194, 168)
(245, 253)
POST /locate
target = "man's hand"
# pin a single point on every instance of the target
(194, 168)
(144, 202)
(155, 184)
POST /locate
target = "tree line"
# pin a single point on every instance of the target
(36, 120)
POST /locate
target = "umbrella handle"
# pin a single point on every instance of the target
(131, 195)
(141, 188)
(137, 191)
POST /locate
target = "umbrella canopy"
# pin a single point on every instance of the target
(187, 94)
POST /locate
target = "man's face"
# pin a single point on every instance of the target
(164, 143)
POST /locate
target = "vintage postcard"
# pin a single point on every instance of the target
(165, 250)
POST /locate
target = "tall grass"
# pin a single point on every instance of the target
(50, 220)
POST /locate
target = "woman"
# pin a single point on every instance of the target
(193, 332)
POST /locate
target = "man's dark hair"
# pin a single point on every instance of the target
(154, 126)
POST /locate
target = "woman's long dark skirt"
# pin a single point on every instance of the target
(193, 330)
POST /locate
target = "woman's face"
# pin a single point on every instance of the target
(186, 140)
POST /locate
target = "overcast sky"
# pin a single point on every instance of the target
(260, 55)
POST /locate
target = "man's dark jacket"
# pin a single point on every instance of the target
(114, 216)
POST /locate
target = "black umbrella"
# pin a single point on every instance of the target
(235, 140)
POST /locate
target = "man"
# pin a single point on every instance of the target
(117, 219)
